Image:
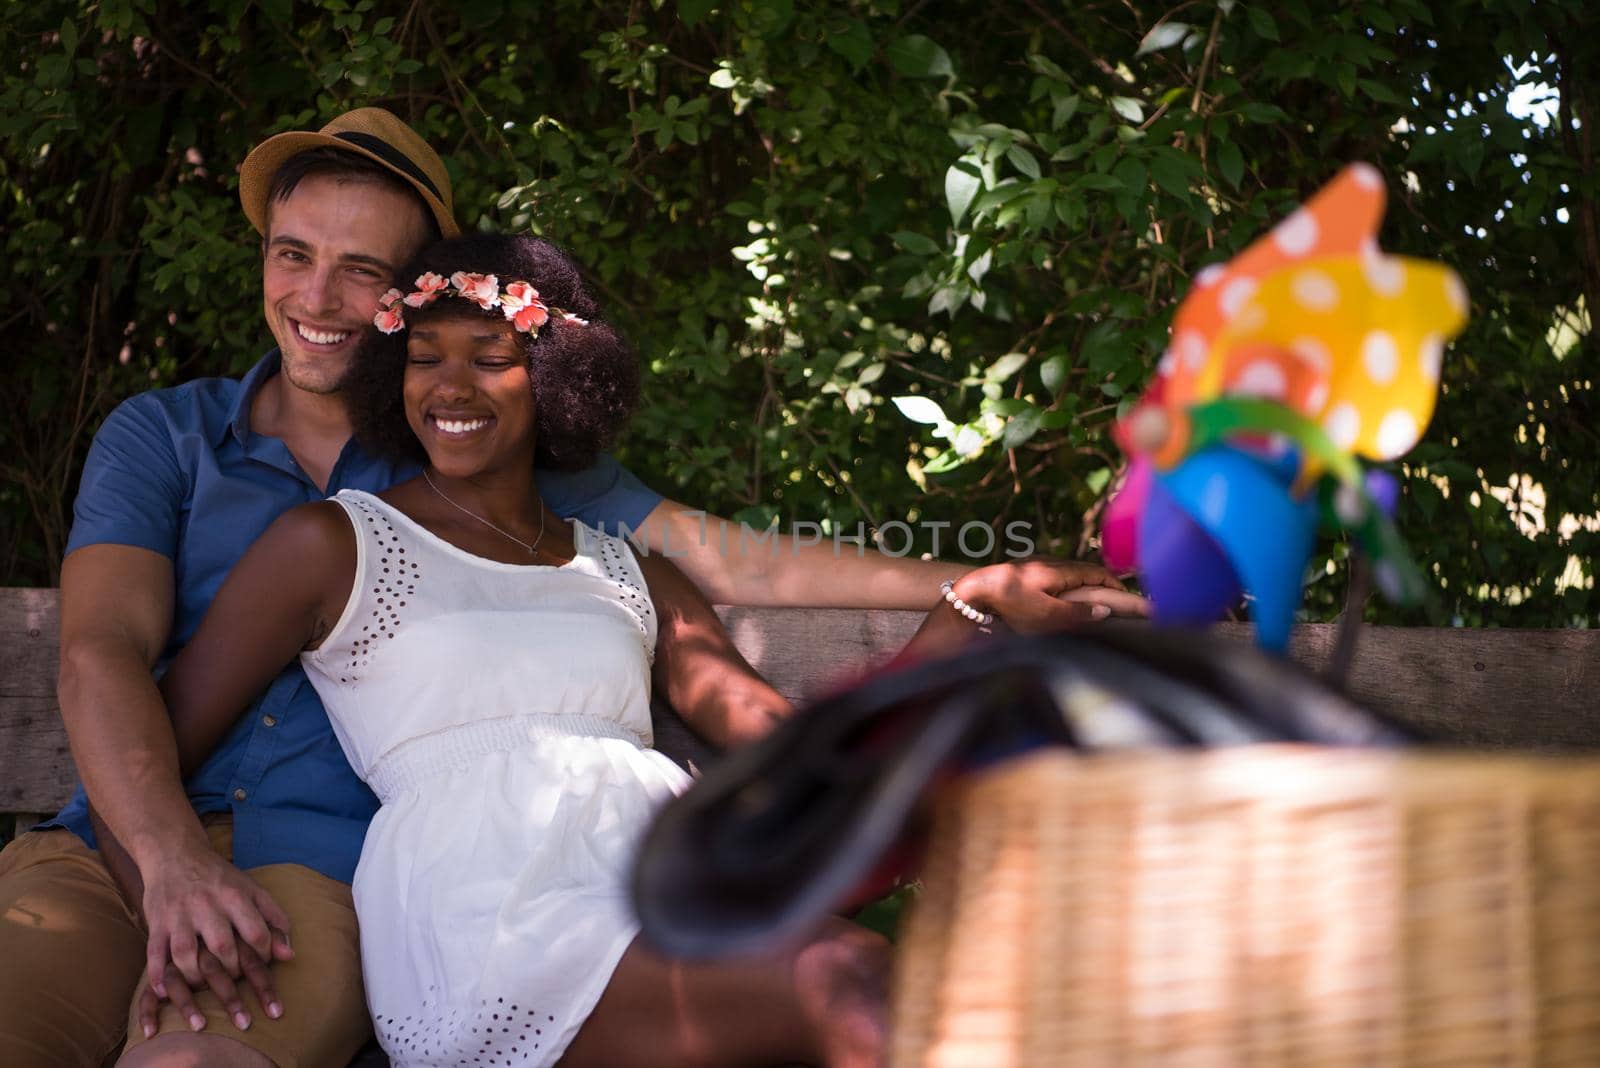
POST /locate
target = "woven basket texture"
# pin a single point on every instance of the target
(1269, 905)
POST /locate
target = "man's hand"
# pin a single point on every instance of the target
(197, 902)
(1042, 594)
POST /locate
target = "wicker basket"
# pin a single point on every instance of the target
(1258, 906)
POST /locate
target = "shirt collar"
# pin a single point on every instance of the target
(249, 386)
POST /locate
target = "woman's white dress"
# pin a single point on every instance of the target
(501, 713)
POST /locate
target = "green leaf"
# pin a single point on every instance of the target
(917, 56)
(1163, 35)
(915, 243)
(1019, 428)
(1381, 93)
(1256, 111)
(1345, 77)
(69, 36)
(1170, 174)
(1066, 106)
(1104, 348)
(1006, 366)
(1131, 173)
(1262, 22)
(1099, 183)
(1023, 160)
(1098, 479)
(1128, 107)
(920, 409)
(1053, 373)
(854, 43)
(961, 184)
(1230, 161)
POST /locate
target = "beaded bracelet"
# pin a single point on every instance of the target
(948, 588)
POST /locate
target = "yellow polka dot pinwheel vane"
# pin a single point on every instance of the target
(1309, 349)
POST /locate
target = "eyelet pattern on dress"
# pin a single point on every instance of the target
(496, 1033)
(614, 560)
(393, 574)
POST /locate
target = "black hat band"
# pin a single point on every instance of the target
(393, 157)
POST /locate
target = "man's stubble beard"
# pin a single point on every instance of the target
(317, 385)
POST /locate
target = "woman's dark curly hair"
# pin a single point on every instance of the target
(585, 378)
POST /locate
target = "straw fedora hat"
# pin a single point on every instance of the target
(370, 132)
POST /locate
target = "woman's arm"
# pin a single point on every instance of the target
(710, 684)
(699, 670)
(283, 596)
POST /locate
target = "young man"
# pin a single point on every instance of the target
(263, 838)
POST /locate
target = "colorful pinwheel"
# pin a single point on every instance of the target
(1309, 349)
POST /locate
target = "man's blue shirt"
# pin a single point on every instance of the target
(179, 472)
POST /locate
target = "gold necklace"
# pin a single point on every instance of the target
(533, 550)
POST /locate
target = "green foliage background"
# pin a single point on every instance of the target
(803, 211)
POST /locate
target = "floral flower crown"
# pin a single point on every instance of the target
(519, 301)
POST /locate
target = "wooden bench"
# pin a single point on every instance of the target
(1483, 688)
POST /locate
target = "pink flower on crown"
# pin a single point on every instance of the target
(483, 288)
(388, 299)
(389, 320)
(429, 289)
(521, 304)
(531, 318)
(516, 296)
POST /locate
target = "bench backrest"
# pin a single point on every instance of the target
(1483, 688)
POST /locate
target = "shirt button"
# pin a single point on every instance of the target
(239, 794)
(269, 721)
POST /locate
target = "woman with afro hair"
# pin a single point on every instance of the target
(487, 668)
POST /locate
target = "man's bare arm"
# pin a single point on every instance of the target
(116, 613)
(732, 565)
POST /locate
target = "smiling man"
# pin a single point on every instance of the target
(178, 484)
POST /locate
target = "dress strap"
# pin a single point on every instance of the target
(388, 570)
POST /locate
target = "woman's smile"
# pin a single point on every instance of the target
(458, 426)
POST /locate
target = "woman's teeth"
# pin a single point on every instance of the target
(317, 337)
(460, 426)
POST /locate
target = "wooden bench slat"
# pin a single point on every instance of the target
(1495, 688)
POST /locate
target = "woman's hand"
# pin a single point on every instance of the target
(176, 990)
(1042, 594)
(210, 924)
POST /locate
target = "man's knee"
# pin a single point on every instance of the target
(177, 1050)
(72, 952)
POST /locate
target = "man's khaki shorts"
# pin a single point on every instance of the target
(72, 962)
